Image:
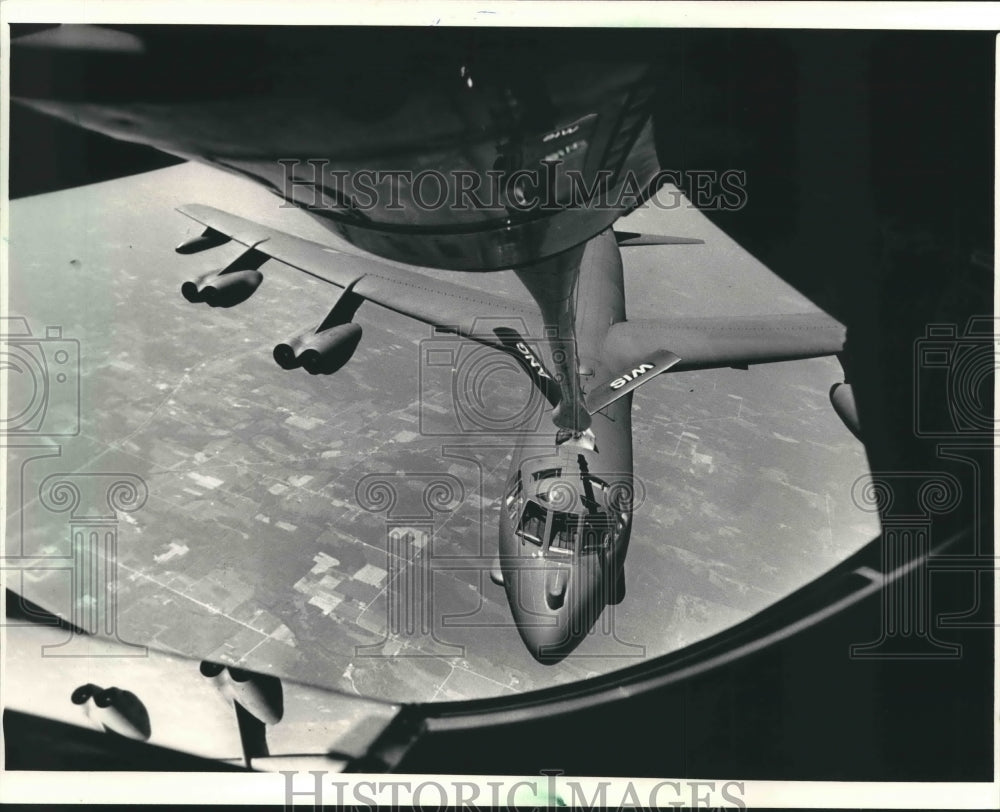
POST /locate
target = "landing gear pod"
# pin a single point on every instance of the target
(842, 399)
(209, 238)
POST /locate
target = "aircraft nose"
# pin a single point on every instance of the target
(554, 608)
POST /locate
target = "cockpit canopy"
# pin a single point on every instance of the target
(561, 518)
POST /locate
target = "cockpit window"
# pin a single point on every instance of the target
(547, 473)
(514, 501)
(565, 527)
(532, 525)
(568, 533)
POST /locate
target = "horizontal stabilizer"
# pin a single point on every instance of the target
(629, 377)
(629, 238)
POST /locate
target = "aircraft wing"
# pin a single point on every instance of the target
(637, 351)
(718, 341)
(452, 307)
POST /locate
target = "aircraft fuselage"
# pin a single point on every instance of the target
(566, 512)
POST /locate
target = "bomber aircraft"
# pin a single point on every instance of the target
(566, 515)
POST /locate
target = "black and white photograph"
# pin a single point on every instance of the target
(499, 404)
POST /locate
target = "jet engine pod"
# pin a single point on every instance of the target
(259, 694)
(320, 353)
(221, 289)
(116, 710)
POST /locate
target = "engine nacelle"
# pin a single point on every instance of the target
(222, 289)
(114, 709)
(260, 694)
(320, 353)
